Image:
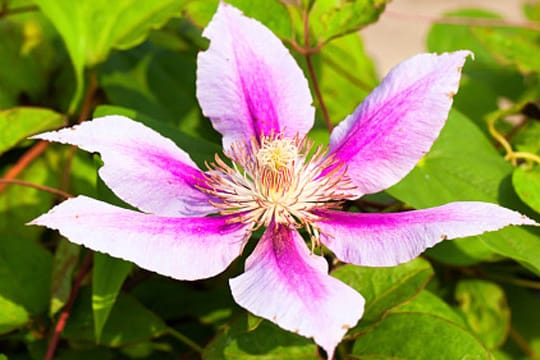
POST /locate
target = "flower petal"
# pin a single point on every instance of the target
(248, 83)
(397, 123)
(142, 167)
(390, 239)
(286, 284)
(182, 248)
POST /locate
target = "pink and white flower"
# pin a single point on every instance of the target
(257, 97)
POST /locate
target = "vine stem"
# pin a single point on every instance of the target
(187, 341)
(511, 155)
(313, 76)
(522, 343)
(4, 10)
(23, 162)
(85, 112)
(36, 186)
(64, 315)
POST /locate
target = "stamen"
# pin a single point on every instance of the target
(277, 154)
(275, 180)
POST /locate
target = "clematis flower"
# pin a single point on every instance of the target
(272, 176)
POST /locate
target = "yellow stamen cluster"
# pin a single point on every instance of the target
(277, 154)
(277, 180)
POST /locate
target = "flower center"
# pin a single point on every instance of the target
(276, 179)
(277, 154)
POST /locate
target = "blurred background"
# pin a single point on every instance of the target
(401, 30)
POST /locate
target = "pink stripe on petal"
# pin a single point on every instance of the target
(248, 83)
(142, 167)
(286, 284)
(390, 239)
(398, 122)
(182, 248)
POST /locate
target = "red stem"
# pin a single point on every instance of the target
(24, 161)
(315, 83)
(36, 186)
(64, 315)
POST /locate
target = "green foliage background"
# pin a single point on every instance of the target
(65, 61)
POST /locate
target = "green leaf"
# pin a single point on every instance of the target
(527, 185)
(272, 13)
(484, 75)
(428, 303)
(525, 320)
(532, 11)
(27, 45)
(25, 267)
(171, 299)
(18, 123)
(484, 306)
(12, 316)
(418, 336)
(268, 341)
(65, 260)
(527, 138)
(128, 322)
(159, 83)
(86, 354)
(385, 287)
(25, 273)
(107, 278)
(329, 19)
(462, 165)
(511, 48)
(91, 29)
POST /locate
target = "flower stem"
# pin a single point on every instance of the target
(187, 341)
(36, 186)
(64, 315)
(312, 75)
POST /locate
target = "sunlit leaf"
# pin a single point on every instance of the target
(18, 123)
(91, 29)
(418, 336)
(107, 278)
(527, 185)
(485, 308)
(385, 288)
(12, 316)
(484, 75)
(463, 165)
(511, 48)
(428, 303)
(272, 13)
(329, 19)
(267, 341)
